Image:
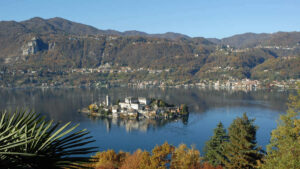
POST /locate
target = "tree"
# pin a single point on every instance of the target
(284, 148)
(161, 156)
(214, 148)
(138, 160)
(117, 102)
(241, 151)
(184, 109)
(108, 159)
(184, 157)
(206, 165)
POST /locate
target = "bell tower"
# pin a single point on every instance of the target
(107, 100)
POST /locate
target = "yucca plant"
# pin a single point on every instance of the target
(27, 140)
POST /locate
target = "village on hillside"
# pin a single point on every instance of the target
(137, 108)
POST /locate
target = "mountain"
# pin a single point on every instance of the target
(52, 48)
(245, 40)
(69, 44)
(250, 40)
(60, 25)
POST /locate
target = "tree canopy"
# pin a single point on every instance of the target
(214, 148)
(241, 151)
(284, 148)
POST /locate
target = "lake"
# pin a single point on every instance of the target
(207, 108)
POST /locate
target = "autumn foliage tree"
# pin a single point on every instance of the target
(108, 160)
(161, 155)
(138, 160)
(284, 148)
(184, 157)
(206, 165)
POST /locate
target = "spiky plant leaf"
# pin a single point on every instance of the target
(27, 140)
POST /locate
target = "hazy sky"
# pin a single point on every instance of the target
(207, 18)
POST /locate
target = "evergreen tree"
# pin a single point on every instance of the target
(241, 151)
(214, 147)
(284, 148)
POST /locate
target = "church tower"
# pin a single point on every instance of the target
(107, 100)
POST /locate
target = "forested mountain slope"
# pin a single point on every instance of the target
(58, 45)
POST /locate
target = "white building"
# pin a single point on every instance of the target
(130, 100)
(114, 109)
(143, 100)
(135, 106)
(125, 105)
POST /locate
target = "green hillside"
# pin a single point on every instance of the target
(56, 50)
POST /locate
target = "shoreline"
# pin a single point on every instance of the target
(136, 86)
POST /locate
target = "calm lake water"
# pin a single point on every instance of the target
(207, 108)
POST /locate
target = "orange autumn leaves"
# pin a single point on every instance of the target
(161, 157)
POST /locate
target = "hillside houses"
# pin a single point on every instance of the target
(245, 84)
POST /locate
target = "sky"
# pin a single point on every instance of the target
(195, 18)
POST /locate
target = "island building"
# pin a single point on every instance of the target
(134, 103)
(107, 100)
(134, 107)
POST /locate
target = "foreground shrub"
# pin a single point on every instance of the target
(28, 141)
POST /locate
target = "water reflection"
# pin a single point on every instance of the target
(63, 104)
(60, 104)
(136, 124)
(207, 108)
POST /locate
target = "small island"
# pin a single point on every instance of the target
(137, 108)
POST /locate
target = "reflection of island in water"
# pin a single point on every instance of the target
(62, 104)
(136, 124)
(136, 113)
